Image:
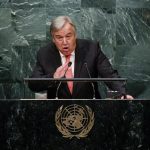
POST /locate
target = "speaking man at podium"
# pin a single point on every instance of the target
(69, 57)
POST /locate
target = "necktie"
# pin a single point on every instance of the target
(69, 75)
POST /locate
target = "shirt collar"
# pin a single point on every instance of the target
(72, 54)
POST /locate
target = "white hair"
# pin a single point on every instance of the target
(59, 22)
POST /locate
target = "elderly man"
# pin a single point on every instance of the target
(67, 56)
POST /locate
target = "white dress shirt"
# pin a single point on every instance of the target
(72, 59)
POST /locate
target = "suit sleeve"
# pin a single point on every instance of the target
(38, 72)
(105, 70)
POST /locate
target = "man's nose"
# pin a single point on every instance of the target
(64, 40)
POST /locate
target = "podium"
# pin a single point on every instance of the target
(36, 124)
(72, 124)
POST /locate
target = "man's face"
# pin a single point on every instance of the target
(65, 39)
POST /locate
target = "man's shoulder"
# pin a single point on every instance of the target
(86, 42)
(48, 47)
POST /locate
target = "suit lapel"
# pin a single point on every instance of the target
(79, 62)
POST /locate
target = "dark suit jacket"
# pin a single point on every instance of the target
(48, 60)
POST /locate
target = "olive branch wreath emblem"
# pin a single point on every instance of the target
(66, 133)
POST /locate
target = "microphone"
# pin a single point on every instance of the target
(69, 64)
(91, 82)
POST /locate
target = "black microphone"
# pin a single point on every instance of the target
(90, 77)
(69, 64)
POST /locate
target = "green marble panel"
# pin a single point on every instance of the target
(133, 62)
(8, 35)
(98, 3)
(6, 90)
(24, 59)
(16, 90)
(139, 89)
(5, 64)
(145, 92)
(133, 26)
(133, 3)
(17, 67)
(7, 38)
(5, 4)
(109, 51)
(55, 4)
(27, 4)
(29, 24)
(98, 24)
(27, 93)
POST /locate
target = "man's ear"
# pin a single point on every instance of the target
(53, 39)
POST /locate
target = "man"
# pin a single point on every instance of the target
(86, 57)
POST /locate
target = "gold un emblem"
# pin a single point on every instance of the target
(74, 121)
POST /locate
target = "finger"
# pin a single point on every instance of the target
(65, 66)
(130, 97)
(62, 68)
(60, 71)
(122, 97)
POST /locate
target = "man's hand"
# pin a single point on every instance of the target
(129, 97)
(60, 71)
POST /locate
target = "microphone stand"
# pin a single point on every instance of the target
(91, 82)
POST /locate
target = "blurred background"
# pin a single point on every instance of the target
(122, 27)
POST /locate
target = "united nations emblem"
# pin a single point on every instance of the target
(74, 121)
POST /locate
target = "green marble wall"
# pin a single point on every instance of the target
(121, 26)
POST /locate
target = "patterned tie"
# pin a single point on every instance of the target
(69, 75)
